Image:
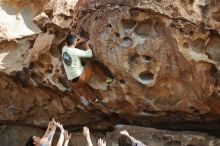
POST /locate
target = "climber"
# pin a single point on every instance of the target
(46, 139)
(73, 67)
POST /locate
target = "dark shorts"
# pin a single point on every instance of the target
(75, 80)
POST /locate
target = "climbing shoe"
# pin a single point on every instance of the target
(109, 80)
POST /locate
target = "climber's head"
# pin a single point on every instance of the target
(33, 140)
(71, 40)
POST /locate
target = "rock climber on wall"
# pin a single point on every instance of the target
(75, 71)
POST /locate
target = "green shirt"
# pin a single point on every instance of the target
(75, 69)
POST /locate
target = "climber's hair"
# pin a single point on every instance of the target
(30, 141)
(70, 39)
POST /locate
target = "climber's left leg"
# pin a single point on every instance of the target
(87, 73)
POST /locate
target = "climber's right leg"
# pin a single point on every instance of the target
(84, 77)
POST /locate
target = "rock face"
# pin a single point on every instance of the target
(163, 57)
(160, 64)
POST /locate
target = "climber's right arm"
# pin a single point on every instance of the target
(80, 53)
